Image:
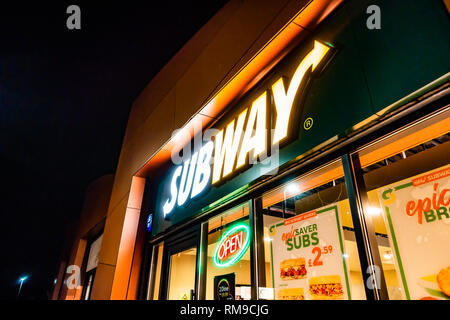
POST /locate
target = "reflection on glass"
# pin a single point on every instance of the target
(182, 274)
(88, 287)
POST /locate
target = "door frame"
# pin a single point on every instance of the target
(184, 240)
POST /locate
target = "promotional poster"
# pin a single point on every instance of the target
(307, 257)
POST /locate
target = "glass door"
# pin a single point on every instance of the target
(182, 275)
(180, 260)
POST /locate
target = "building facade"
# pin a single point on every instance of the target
(290, 150)
(79, 257)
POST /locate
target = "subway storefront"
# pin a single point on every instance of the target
(314, 166)
(328, 179)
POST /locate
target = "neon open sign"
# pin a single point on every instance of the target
(232, 246)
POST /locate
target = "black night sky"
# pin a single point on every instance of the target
(65, 96)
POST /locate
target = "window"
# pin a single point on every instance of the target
(90, 280)
(309, 243)
(155, 273)
(407, 180)
(229, 254)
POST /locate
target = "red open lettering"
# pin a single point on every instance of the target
(231, 245)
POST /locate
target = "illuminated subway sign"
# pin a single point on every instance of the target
(243, 137)
(232, 246)
(195, 174)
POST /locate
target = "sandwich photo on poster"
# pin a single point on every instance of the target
(417, 211)
(307, 258)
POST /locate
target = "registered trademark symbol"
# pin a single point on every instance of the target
(308, 123)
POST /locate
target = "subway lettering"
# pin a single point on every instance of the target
(245, 137)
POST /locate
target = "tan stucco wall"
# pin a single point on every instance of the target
(222, 47)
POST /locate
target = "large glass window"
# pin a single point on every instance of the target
(229, 255)
(182, 275)
(309, 242)
(407, 179)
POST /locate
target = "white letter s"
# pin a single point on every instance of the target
(170, 204)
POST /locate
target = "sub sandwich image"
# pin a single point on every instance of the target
(326, 288)
(293, 269)
(291, 294)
